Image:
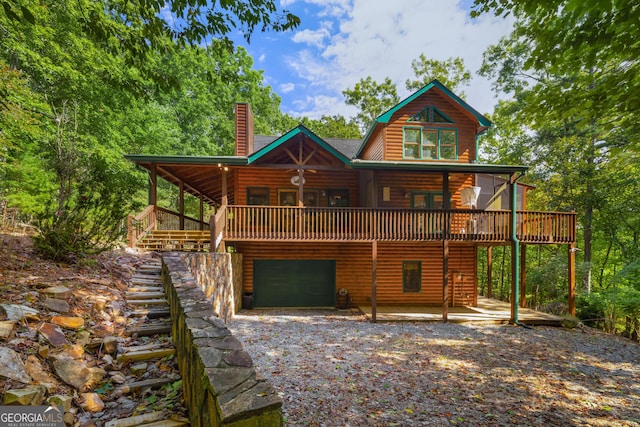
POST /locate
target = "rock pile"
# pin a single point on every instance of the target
(63, 340)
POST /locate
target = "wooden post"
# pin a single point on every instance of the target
(300, 187)
(225, 197)
(489, 271)
(374, 278)
(181, 205)
(523, 276)
(212, 233)
(445, 280)
(131, 231)
(153, 185)
(201, 211)
(571, 278)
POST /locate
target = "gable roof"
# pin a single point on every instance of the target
(300, 129)
(386, 116)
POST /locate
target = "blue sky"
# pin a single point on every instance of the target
(341, 41)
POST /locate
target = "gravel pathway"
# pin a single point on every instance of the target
(333, 368)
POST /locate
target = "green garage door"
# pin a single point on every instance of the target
(294, 283)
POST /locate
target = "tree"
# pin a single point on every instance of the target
(450, 73)
(372, 98)
(136, 31)
(587, 44)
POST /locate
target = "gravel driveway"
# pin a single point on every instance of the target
(333, 368)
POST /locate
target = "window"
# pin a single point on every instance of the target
(430, 115)
(258, 196)
(426, 200)
(411, 276)
(338, 198)
(430, 143)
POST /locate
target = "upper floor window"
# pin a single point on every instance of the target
(430, 115)
(430, 143)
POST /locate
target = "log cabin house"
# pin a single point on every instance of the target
(395, 218)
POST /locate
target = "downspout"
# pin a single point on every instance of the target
(516, 251)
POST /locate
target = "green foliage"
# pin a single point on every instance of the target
(585, 45)
(329, 126)
(372, 99)
(614, 310)
(450, 73)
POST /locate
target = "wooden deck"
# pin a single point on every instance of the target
(489, 311)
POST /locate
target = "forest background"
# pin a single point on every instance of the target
(84, 82)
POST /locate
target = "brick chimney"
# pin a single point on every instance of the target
(244, 129)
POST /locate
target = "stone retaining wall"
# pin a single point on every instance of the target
(219, 275)
(220, 385)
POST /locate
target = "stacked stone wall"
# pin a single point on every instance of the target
(220, 385)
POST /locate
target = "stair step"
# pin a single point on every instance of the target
(148, 302)
(146, 289)
(137, 385)
(144, 295)
(137, 356)
(150, 313)
(152, 329)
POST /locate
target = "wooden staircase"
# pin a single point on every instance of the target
(149, 313)
(176, 240)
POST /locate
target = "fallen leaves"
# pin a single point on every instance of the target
(333, 369)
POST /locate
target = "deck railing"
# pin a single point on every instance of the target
(365, 224)
(159, 218)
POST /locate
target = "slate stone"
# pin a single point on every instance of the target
(59, 292)
(91, 402)
(73, 372)
(110, 345)
(6, 327)
(224, 379)
(11, 366)
(211, 357)
(61, 401)
(53, 334)
(68, 322)
(18, 312)
(31, 395)
(228, 343)
(256, 400)
(39, 373)
(57, 305)
(238, 358)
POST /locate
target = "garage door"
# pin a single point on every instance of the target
(294, 283)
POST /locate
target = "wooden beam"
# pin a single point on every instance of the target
(445, 280)
(374, 278)
(571, 278)
(523, 276)
(304, 162)
(489, 271)
(290, 154)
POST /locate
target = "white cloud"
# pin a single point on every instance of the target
(262, 57)
(287, 87)
(314, 38)
(380, 38)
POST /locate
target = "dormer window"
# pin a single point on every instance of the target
(430, 115)
(427, 143)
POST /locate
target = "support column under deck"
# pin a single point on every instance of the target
(374, 278)
(571, 278)
(445, 280)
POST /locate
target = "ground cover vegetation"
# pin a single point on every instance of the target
(84, 82)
